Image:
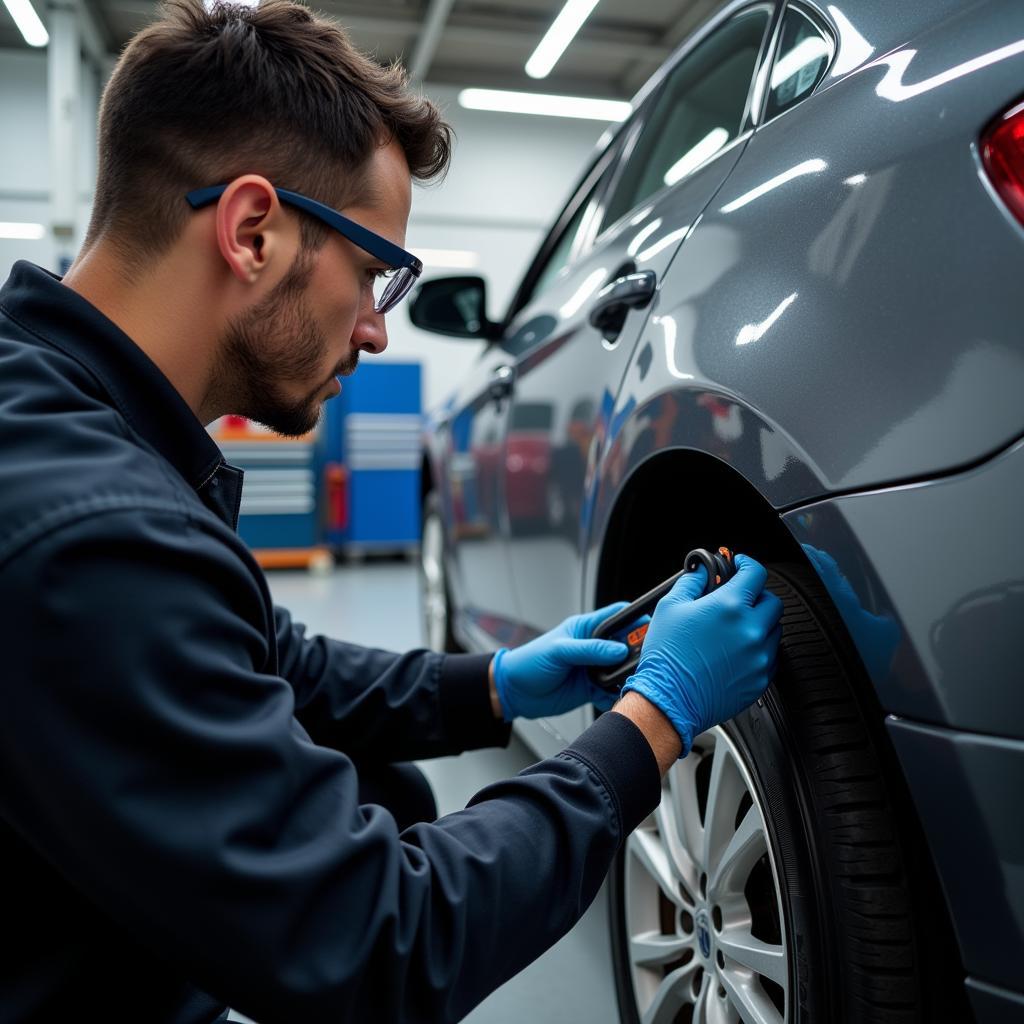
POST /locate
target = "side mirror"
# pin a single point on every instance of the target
(455, 306)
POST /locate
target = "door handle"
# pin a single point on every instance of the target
(618, 297)
(501, 383)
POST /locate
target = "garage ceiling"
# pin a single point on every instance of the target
(475, 42)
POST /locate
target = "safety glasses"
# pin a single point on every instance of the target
(403, 267)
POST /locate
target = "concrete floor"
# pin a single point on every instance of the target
(377, 604)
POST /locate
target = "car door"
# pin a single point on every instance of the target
(481, 444)
(475, 417)
(675, 155)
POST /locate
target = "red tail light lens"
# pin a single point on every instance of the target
(1002, 155)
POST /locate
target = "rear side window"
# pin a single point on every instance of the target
(559, 258)
(804, 53)
(699, 110)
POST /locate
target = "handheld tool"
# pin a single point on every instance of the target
(720, 566)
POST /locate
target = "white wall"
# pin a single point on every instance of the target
(510, 175)
(25, 177)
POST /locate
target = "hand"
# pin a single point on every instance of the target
(547, 676)
(706, 658)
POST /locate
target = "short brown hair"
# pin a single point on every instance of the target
(204, 95)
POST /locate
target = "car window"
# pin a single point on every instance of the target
(559, 258)
(699, 109)
(805, 50)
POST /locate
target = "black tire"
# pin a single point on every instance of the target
(435, 597)
(864, 931)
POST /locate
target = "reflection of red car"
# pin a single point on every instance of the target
(527, 465)
(528, 460)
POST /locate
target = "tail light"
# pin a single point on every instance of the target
(1002, 155)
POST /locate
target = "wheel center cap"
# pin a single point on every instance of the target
(703, 924)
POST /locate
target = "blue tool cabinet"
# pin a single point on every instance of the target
(373, 429)
(278, 516)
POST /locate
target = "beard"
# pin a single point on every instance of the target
(275, 344)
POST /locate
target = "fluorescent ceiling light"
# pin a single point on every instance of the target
(755, 332)
(540, 103)
(29, 25)
(450, 258)
(29, 232)
(640, 216)
(854, 49)
(663, 243)
(892, 86)
(671, 329)
(584, 292)
(706, 148)
(807, 167)
(642, 235)
(562, 32)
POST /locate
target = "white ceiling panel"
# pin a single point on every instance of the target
(478, 42)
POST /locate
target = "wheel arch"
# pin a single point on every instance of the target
(679, 499)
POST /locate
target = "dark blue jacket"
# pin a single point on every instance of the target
(179, 820)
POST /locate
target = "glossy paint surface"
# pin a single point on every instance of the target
(852, 287)
(516, 467)
(837, 324)
(571, 372)
(973, 825)
(942, 561)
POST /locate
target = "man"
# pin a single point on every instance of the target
(181, 815)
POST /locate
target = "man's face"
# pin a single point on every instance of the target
(281, 357)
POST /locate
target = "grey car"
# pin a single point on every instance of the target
(781, 312)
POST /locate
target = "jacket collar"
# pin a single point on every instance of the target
(38, 300)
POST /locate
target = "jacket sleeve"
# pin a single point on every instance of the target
(376, 705)
(166, 777)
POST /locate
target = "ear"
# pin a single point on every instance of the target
(252, 230)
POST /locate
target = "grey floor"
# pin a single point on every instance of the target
(376, 603)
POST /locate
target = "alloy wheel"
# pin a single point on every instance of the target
(435, 601)
(703, 905)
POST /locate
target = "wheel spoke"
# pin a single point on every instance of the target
(431, 572)
(652, 949)
(747, 846)
(673, 993)
(435, 607)
(651, 853)
(667, 817)
(718, 1010)
(764, 959)
(725, 789)
(687, 839)
(430, 556)
(702, 1005)
(749, 999)
(682, 801)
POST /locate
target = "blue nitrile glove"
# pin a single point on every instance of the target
(548, 675)
(706, 658)
(875, 636)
